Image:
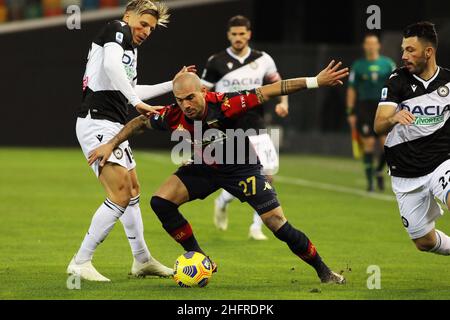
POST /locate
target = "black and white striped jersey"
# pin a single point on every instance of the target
(227, 72)
(416, 150)
(104, 97)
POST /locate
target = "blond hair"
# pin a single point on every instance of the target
(157, 9)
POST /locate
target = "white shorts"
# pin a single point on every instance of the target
(92, 133)
(267, 154)
(417, 199)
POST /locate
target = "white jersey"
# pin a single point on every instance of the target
(228, 72)
(101, 96)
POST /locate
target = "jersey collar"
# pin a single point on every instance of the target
(240, 59)
(426, 83)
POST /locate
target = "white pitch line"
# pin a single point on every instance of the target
(333, 187)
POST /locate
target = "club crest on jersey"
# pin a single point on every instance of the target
(119, 37)
(443, 91)
(254, 65)
(118, 153)
(230, 65)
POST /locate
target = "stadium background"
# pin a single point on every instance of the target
(48, 193)
(42, 67)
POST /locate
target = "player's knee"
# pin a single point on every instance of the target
(273, 221)
(122, 195)
(135, 189)
(162, 206)
(424, 244)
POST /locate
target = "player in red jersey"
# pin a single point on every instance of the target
(196, 108)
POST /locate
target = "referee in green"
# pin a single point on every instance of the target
(367, 78)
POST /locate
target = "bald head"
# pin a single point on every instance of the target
(190, 94)
(187, 81)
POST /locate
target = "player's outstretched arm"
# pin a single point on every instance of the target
(132, 128)
(328, 77)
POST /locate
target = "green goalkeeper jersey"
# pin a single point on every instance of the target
(368, 77)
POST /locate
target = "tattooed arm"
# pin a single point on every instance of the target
(134, 127)
(330, 76)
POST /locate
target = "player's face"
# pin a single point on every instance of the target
(239, 37)
(141, 26)
(371, 46)
(191, 101)
(414, 55)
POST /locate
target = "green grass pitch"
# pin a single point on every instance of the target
(48, 197)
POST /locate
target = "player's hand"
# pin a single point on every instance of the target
(147, 110)
(332, 75)
(191, 68)
(351, 119)
(282, 109)
(403, 117)
(101, 153)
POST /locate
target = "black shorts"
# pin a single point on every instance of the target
(245, 182)
(365, 116)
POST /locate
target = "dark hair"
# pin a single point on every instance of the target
(423, 30)
(239, 21)
(371, 34)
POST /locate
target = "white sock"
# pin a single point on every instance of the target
(442, 244)
(134, 229)
(257, 221)
(225, 198)
(102, 223)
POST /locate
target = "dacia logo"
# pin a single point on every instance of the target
(427, 110)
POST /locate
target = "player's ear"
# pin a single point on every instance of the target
(249, 34)
(126, 16)
(204, 90)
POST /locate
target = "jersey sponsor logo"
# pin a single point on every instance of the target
(240, 83)
(429, 115)
(384, 93)
(127, 60)
(443, 91)
(243, 104)
(427, 110)
(119, 37)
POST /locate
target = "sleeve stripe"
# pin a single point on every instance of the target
(388, 103)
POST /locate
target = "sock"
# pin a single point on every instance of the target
(442, 246)
(381, 163)
(175, 224)
(300, 245)
(224, 198)
(257, 222)
(102, 223)
(134, 229)
(368, 167)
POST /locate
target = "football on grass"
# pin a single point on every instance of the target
(192, 269)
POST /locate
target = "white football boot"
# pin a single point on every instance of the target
(85, 271)
(256, 233)
(150, 268)
(220, 216)
(333, 277)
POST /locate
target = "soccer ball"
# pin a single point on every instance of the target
(192, 269)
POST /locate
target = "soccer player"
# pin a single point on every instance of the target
(197, 108)
(109, 85)
(415, 111)
(367, 77)
(238, 68)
